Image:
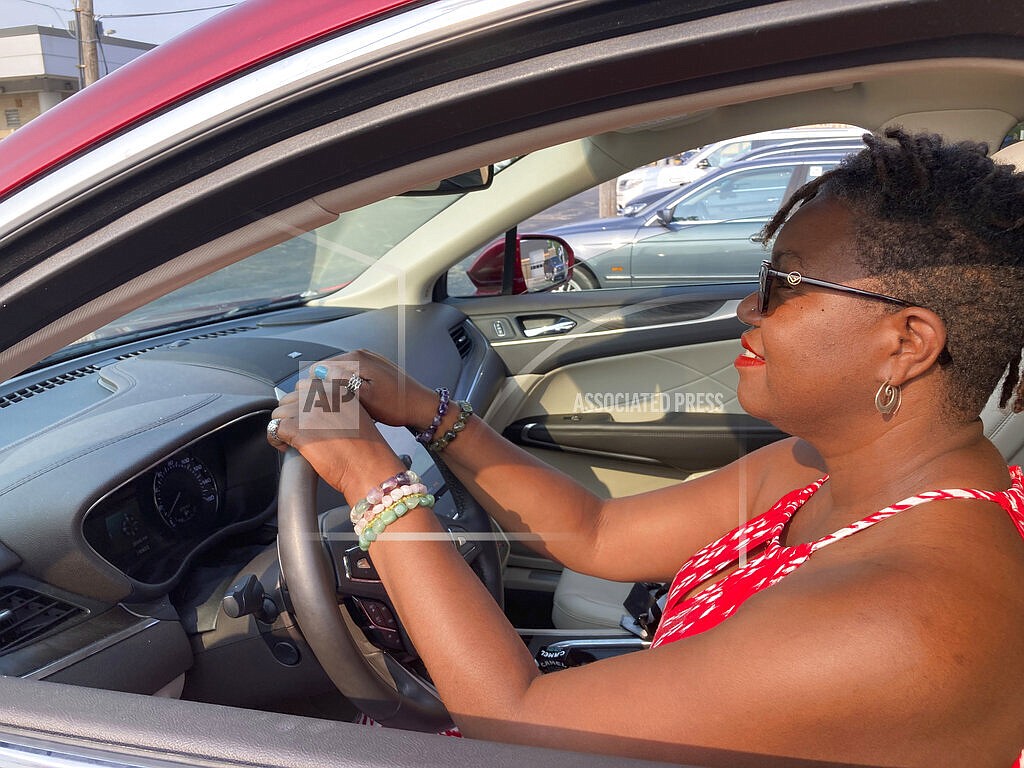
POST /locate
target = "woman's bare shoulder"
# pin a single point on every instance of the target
(840, 644)
(949, 573)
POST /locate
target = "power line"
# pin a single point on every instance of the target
(45, 5)
(158, 13)
(53, 8)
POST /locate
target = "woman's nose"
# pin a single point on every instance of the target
(747, 312)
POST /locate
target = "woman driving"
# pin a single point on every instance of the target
(852, 593)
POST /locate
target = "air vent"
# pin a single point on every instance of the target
(197, 337)
(64, 378)
(463, 341)
(26, 615)
(43, 386)
(225, 332)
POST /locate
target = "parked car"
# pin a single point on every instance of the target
(640, 203)
(705, 232)
(637, 204)
(181, 239)
(800, 147)
(716, 155)
(640, 180)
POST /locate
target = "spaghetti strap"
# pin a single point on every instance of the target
(1011, 500)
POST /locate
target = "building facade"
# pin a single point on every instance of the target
(39, 68)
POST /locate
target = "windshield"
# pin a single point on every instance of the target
(310, 265)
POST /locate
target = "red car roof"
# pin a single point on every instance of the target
(229, 43)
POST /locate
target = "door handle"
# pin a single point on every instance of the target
(559, 325)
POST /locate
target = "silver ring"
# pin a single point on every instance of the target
(272, 437)
(355, 381)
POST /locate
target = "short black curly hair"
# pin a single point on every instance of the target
(941, 225)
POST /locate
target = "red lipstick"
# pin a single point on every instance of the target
(750, 358)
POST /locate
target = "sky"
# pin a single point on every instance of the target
(163, 19)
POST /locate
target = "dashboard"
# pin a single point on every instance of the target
(137, 486)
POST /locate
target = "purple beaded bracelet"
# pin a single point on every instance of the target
(465, 409)
(427, 435)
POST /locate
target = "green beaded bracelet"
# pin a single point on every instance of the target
(465, 409)
(373, 528)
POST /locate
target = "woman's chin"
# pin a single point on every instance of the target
(760, 409)
(751, 405)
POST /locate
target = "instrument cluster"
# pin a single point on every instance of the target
(150, 526)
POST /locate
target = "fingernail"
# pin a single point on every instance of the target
(321, 372)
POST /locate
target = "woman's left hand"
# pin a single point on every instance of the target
(325, 422)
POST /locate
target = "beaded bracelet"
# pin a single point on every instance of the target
(389, 500)
(427, 435)
(411, 500)
(369, 530)
(465, 409)
(385, 494)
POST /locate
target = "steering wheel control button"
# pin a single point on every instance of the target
(383, 624)
(380, 615)
(388, 638)
(358, 566)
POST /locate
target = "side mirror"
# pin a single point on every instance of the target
(704, 164)
(665, 216)
(542, 262)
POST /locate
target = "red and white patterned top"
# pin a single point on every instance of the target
(685, 616)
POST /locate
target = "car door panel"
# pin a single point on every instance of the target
(673, 410)
(642, 390)
(640, 394)
(52, 724)
(608, 322)
(692, 442)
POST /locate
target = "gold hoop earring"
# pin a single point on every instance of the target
(888, 399)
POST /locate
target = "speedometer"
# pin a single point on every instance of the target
(185, 492)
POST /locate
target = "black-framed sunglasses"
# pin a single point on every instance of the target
(793, 279)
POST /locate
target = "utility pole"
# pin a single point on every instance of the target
(606, 203)
(86, 24)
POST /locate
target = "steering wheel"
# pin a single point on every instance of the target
(318, 567)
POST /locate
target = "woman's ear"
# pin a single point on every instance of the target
(921, 339)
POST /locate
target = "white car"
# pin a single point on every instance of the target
(672, 173)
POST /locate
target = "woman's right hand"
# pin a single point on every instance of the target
(389, 395)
